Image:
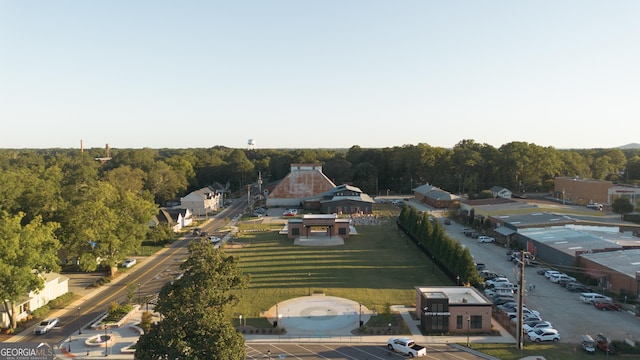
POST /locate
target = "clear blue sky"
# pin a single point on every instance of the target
(318, 74)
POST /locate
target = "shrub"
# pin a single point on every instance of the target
(41, 312)
(61, 301)
(117, 311)
(146, 320)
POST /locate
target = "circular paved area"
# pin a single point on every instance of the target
(319, 315)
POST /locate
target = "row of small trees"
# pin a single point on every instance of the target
(428, 234)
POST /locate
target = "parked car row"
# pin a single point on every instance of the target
(601, 342)
(502, 293)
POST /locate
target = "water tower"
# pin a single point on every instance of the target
(251, 144)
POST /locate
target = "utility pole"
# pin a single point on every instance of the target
(521, 290)
(249, 196)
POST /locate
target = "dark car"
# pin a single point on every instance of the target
(577, 287)
(604, 344)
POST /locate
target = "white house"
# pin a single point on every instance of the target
(175, 218)
(500, 192)
(202, 201)
(55, 285)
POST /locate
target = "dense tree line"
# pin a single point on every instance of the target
(431, 238)
(98, 211)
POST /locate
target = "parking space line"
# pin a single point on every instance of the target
(286, 352)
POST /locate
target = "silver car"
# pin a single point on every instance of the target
(46, 325)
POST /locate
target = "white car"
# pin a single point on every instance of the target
(589, 298)
(496, 282)
(485, 239)
(550, 273)
(539, 324)
(46, 325)
(558, 277)
(544, 334)
(527, 313)
(215, 241)
(129, 263)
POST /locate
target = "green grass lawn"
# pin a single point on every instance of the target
(560, 351)
(378, 267)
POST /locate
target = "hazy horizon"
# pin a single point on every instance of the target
(331, 74)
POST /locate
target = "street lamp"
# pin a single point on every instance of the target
(79, 329)
(275, 323)
(309, 282)
(468, 328)
(106, 342)
(389, 328)
(458, 280)
(360, 316)
(239, 320)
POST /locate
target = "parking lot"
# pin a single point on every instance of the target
(570, 316)
(345, 351)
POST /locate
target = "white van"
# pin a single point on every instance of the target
(589, 298)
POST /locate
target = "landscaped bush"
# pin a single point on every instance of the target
(146, 320)
(61, 301)
(41, 312)
(117, 311)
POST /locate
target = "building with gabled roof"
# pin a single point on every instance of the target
(175, 218)
(346, 199)
(203, 201)
(500, 192)
(55, 285)
(304, 182)
(434, 196)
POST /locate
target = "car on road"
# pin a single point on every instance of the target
(536, 324)
(604, 344)
(544, 334)
(549, 273)
(605, 305)
(129, 263)
(46, 325)
(591, 297)
(485, 239)
(526, 313)
(290, 212)
(406, 346)
(502, 299)
(557, 278)
(588, 344)
(488, 274)
(495, 282)
(577, 287)
(215, 241)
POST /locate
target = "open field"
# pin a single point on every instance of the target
(378, 267)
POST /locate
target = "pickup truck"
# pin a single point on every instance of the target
(406, 346)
